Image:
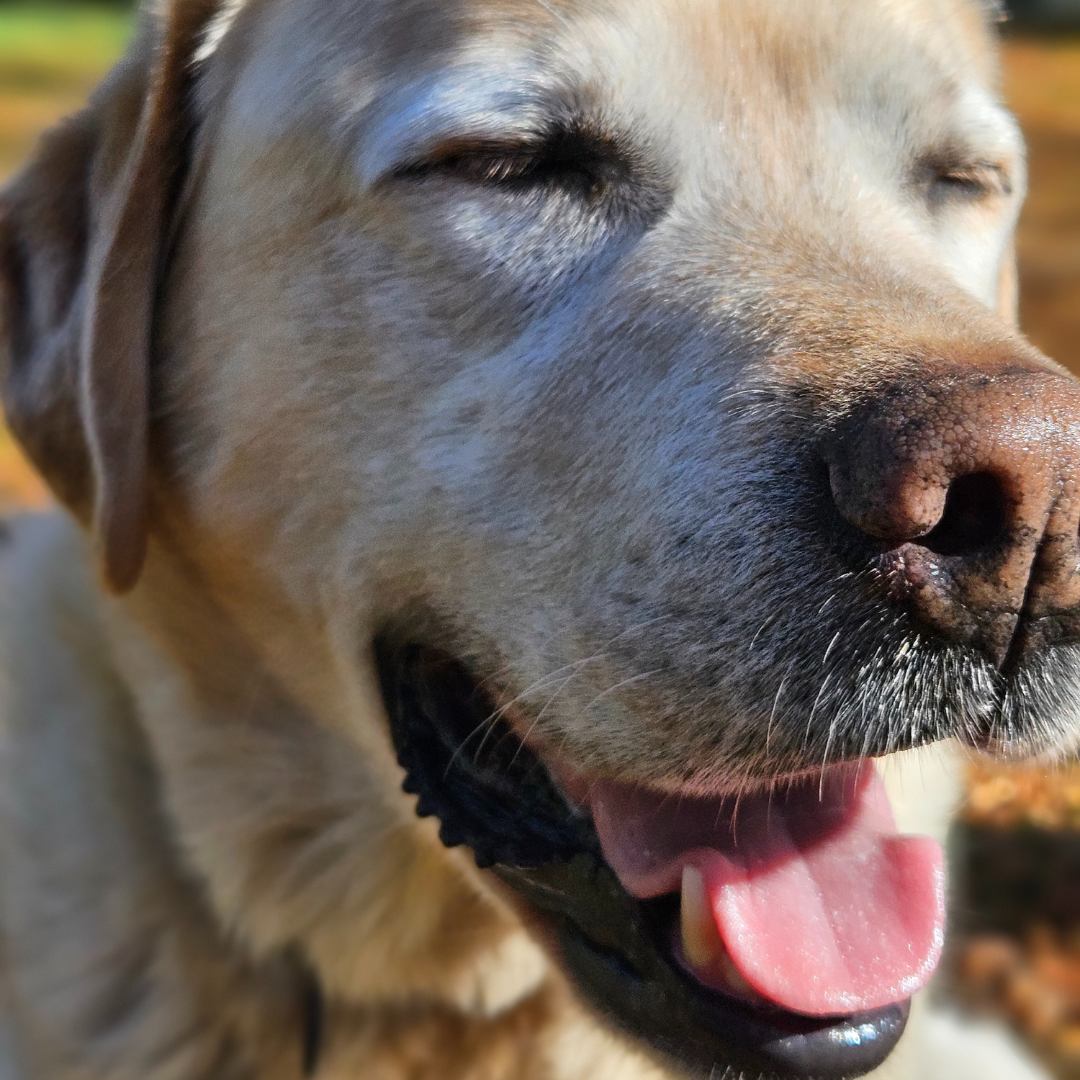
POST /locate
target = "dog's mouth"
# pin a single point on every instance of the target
(779, 934)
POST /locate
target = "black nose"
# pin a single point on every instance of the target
(968, 482)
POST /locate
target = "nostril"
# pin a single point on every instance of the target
(974, 517)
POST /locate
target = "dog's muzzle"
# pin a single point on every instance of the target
(492, 794)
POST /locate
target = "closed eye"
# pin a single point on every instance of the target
(947, 182)
(577, 161)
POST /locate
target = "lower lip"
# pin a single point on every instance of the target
(792, 1045)
(703, 1030)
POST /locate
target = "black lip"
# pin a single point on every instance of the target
(492, 794)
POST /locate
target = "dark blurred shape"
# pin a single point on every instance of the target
(1045, 14)
(1016, 878)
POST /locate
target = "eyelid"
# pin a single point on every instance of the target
(473, 147)
(970, 178)
(467, 105)
(981, 173)
(574, 145)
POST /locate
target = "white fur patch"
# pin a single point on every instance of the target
(217, 29)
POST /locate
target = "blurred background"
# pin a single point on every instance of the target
(1015, 948)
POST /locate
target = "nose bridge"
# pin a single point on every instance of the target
(828, 272)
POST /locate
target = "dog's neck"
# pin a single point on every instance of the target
(227, 853)
(306, 846)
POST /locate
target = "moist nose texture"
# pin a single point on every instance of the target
(965, 483)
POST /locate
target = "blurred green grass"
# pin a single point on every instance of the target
(45, 44)
(52, 53)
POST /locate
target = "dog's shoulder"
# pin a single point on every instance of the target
(60, 707)
(53, 650)
(121, 966)
(65, 715)
(45, 568)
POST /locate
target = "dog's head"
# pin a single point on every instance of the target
(633, 385)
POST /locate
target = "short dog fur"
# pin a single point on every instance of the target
(300, 341)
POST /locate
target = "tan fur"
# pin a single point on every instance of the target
(201, 804)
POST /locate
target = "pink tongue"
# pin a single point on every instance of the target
(822, 906)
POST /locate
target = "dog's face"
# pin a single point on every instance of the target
(566, 305)
(573, 344)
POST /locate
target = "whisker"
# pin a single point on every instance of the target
(621, 684)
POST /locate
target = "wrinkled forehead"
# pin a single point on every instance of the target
(676, 73)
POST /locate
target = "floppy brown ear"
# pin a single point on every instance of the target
(82, 232)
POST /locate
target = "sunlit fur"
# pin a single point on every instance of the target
(567, 430)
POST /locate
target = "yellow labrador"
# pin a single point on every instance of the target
(597, 425)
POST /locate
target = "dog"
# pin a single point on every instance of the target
(523, 460)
